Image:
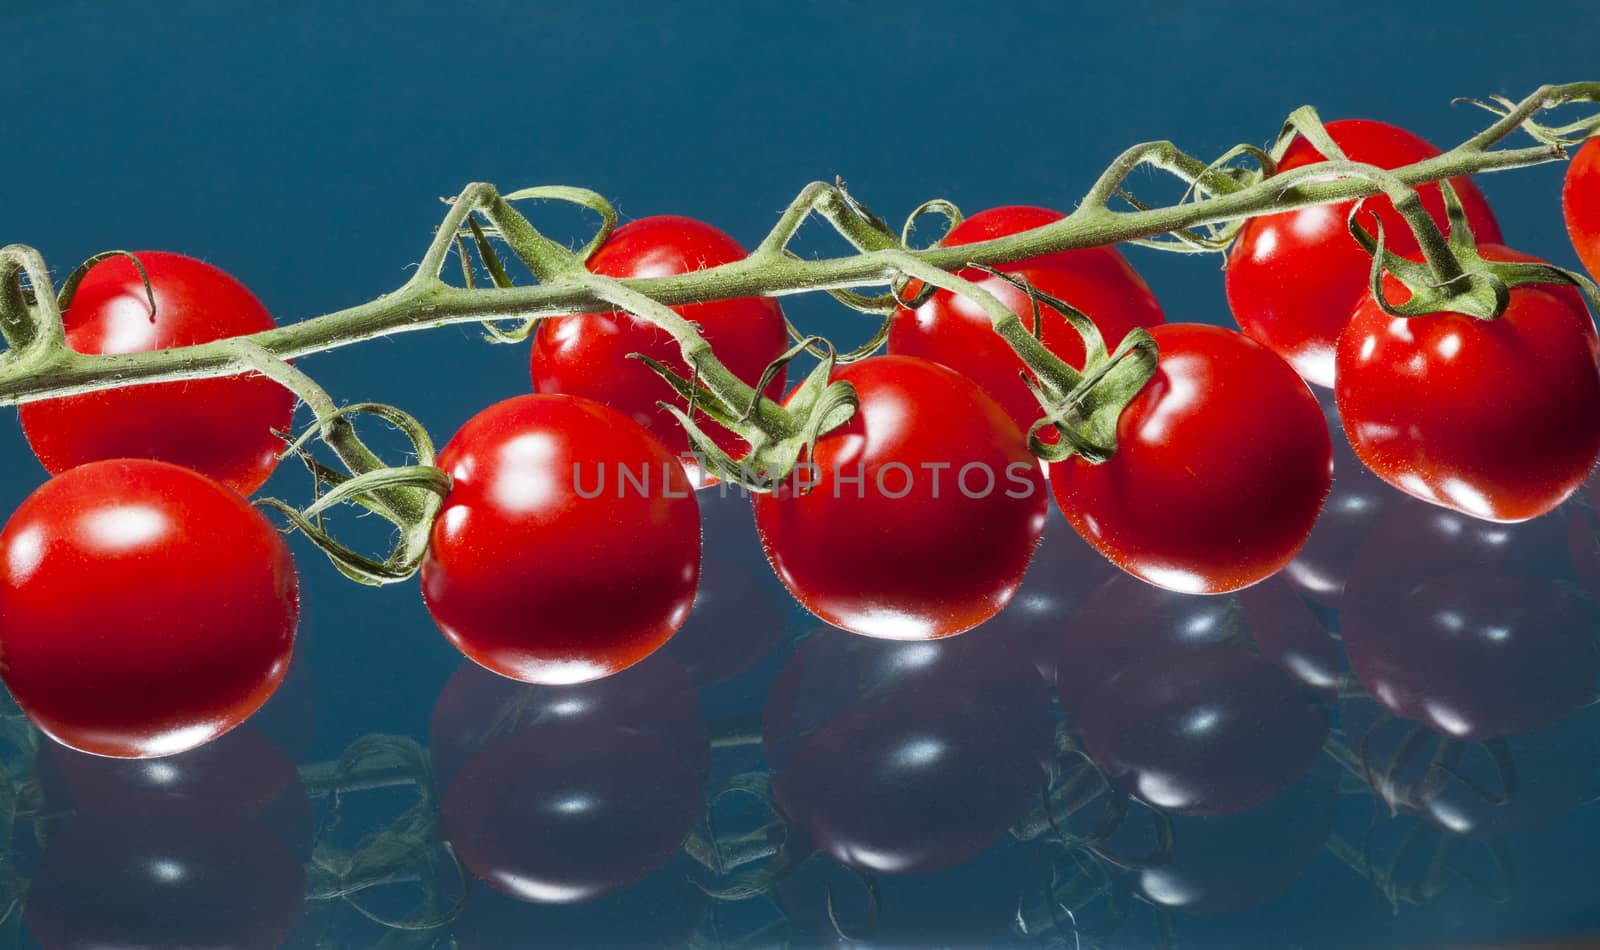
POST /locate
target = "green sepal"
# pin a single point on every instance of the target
(1085, 415)
(1087, 418)
(817, 406)
(1484, 289)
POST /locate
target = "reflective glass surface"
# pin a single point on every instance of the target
(1393, 743)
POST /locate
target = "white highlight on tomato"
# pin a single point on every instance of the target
(527, 481)
(125, 526)
(25, 554)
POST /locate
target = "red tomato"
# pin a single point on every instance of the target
(587, 354)
(1292, 278)
(922, 511)
(147, 608)
(1498, 419)
(952, 330)
(222, 427)
(1222, 463)
(1580, 199)
(569, 545)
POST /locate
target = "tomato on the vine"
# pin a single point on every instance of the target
(916, 519)
(950, 329)
(221, 427)
(588, 354)
(1222, 463)
(1580, 201)
(1293, 277)
(144, 608)
(569, 545)
(1498, 419)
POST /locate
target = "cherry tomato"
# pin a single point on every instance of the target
(569, 545)
(147, 609)
(1292, 278)
(950, 329)
(1222, 463)
(222, 427)
(921, 513)
(1498, 419)
(1580, 200)
(587, 354)
(169, 876)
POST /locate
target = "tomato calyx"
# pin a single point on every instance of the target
(408, 496)
(1456, 278)
(1082, 407)
(778, 436)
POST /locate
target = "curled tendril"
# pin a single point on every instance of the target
(406, 495)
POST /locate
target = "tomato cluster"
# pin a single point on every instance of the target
(568, 546)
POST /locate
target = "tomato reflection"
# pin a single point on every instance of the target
(243, 773)
(1231, 864)
(1356, 503)
(476, 707)
(969, 905)
(906, 757)
(1289, 632)
(567, 794)
(1211, 730)
(1126, 620)
(168, 875)
(1503, 786)
(1460, 624)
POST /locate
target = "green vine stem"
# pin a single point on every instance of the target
(38, 364)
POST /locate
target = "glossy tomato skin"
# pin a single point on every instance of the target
(890, 541)
(1580, 200)
(587, 354)
(146, 608)
(222, 427)
(1293, 277)
(950, 329)
(1223, 461)
(1498, 419)
(533, 580)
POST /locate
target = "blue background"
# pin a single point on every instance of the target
(302, 146)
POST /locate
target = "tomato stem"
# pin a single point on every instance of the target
(39, 365)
